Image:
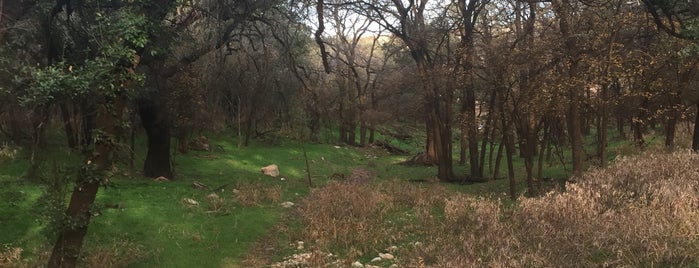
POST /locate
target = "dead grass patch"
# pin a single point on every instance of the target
(257, 194)
(641, 211)
(10, 256)
(121, 253)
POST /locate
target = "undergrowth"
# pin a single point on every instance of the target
(642, 211)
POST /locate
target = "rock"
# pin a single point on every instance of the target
(299, 245)
(392, 249)
(357, 264)
(393, 266)
(271, 170)
(371, 266)
(236, 191)
(386, 256)
(287, 204)
(377, 259)
(161, 179)
(190, 202)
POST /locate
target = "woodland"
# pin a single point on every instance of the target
(487, 104)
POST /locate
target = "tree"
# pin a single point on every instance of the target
(679, 19)
(469, 11)
(407, 21)
(106, 75)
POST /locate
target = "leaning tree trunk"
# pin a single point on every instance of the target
(154, 120)
(70, 237)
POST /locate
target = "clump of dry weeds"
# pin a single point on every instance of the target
(257, 194)
(10, 256)
(121, 253)
(644, 210)
(641, 211)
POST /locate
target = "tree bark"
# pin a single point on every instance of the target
(469, 14)
(695, 136)
(670, 129)
(71, 235)
(564, 13)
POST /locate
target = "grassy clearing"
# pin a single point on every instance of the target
(353, 213)
(144, 223)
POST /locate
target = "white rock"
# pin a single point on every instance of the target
(236, 191)
(271, 170)
(392, 249)
(377, 259)
(371, 266)
(337, 147)
(386, 256)
(393, 266)
(189, 201)
(287, 204)
(299, 245)
(357, 264)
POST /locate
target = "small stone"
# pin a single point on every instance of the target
(189, 201)
(392, 249)
(393, 266)
(337, 147)
(299, 245)
(417, 244)
(236, 191)
(377, 259)
(357, 264)
(371, 266)
(271, 170)
(287, 204)
(160, 179)
(386, 256)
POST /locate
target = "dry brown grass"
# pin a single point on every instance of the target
(257, 194)
(118, 254)
(10, 256)
(642, 211)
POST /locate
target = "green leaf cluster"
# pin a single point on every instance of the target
(97, 52)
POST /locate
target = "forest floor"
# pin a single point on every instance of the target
(221, 211)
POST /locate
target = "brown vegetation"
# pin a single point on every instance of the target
(641, 211)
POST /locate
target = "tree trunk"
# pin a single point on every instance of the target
(438, 121)
(564, 12)
(602, 128)
(670, 129)
(509, 151)
(71, 236)
(498, 160)
(157, 128)
(695, 136)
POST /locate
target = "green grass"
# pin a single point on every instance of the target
(168, 233)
